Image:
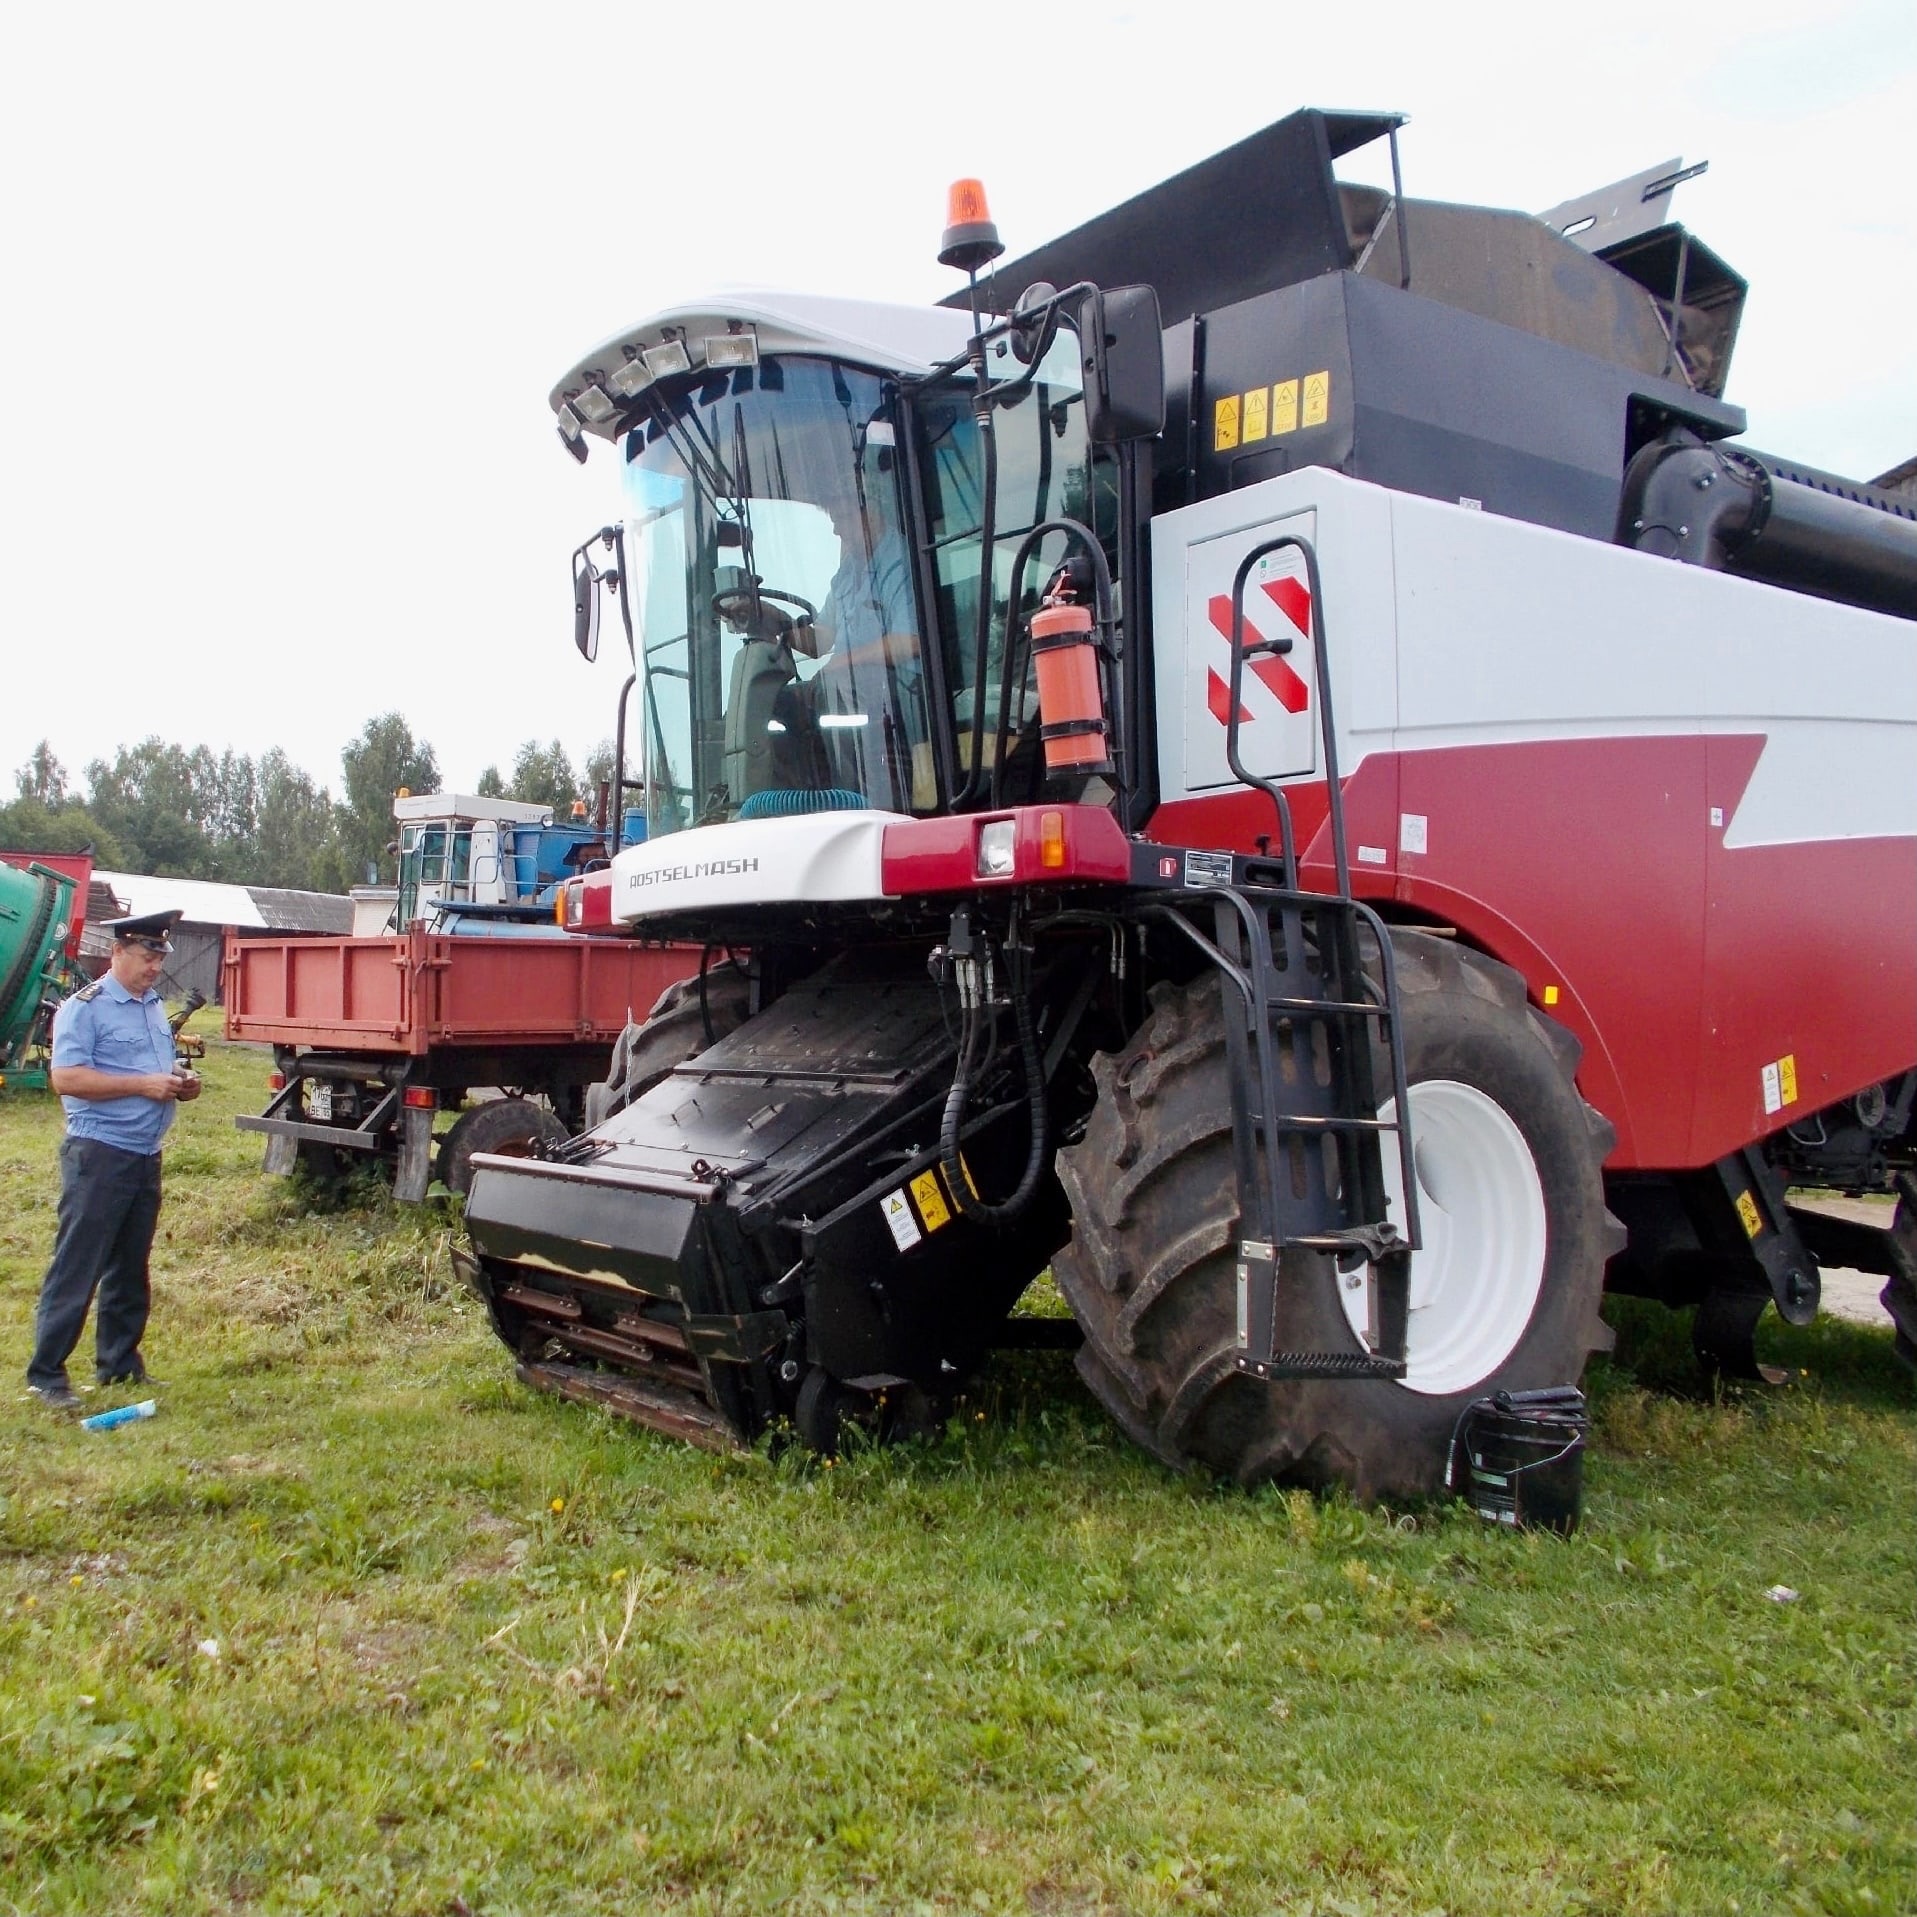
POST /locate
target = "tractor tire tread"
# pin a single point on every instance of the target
(1149, 1272)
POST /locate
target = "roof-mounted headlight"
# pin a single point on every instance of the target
(594, 407)
(630, 380)
(736, 347)
(668, 357)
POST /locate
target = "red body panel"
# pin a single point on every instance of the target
(411, 993)
(77, 866)
(1686, 967)
(941, 855)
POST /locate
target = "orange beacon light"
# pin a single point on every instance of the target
(970, 239)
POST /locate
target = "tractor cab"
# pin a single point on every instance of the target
(834, 531)
(461, 859)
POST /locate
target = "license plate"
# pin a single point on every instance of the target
(319, 1101)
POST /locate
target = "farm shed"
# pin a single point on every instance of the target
(209, 908)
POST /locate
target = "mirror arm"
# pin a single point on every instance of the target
(615, 537)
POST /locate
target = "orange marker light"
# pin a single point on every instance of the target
(1051, 841)
(970, 239)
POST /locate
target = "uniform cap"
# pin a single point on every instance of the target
(152, 929)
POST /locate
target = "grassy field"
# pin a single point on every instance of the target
(357, 1624)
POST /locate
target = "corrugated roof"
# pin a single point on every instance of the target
(253, 908)
(199, 901)
(287, 911)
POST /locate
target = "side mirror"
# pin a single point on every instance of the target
(1123, 349)
(585, 603)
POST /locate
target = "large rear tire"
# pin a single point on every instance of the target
(674, 1031)
(1505, 1292)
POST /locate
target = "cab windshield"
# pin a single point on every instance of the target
(772, 599)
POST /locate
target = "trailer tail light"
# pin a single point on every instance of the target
(422, 1098)
(276, 1081)
(1071, 701)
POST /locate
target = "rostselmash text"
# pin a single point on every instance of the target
(706, 869)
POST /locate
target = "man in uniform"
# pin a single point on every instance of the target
(113, 1067)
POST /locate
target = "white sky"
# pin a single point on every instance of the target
(286, 288)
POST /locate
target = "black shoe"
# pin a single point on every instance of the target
(56, 1397)
(135, 1380)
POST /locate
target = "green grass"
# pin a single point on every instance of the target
(357, 1624)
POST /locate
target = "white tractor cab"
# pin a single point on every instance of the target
(475, 865)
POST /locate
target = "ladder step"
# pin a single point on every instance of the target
(1306, 1122)
(1327, 1007)
(1372, 1242)
(1321, 1364)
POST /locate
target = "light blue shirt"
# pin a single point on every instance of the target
(112, 1031)
(870, 595)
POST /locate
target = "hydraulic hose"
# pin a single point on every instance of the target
(968, 1201)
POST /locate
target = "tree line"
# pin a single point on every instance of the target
(190, 813)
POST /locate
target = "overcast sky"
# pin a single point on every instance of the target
(285, 288)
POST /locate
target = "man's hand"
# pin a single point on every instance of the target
(88, 1081)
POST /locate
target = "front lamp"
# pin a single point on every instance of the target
(594, 407)
(667, 358)
(997, 853)
(740, 348)
(629, 381)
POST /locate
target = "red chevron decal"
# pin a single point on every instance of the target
(1273, 673)
(1218, 698)
(1291, 598)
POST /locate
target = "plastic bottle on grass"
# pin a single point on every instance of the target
(122, 1414)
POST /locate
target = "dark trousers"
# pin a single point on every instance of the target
(109, 1205)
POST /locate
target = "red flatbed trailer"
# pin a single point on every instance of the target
(372, 1037)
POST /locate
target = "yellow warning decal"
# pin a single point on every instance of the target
(1317, 398)
(1224, 431)
(930, 1200)
(1787, 1078)
(1256, 403)
(1747, 1212)
(1284, 407)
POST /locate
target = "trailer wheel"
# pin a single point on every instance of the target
(1505, 1292)
(670, 1034)
(510, 1127)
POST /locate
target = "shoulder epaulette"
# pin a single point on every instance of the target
(88, 993)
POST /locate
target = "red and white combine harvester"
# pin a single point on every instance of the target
(1277, 757)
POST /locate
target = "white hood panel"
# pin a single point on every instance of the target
(818, 857)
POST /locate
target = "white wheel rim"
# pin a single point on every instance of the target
(1475, 1282)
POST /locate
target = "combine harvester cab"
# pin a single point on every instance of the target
(1226, 779)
